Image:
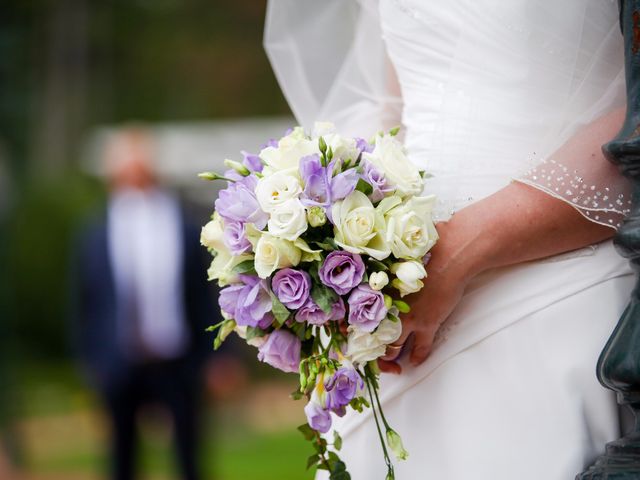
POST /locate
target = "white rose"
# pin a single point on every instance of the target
(288, 220)
(389, 156)
(359, 227)
(212, 233)
(409, 277)
(273, 253)
(378, 280)
(273, 190)
(289, 151)
(363, 347)
(410, 229)
(222, 266)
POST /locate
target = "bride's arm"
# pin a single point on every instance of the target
(516, 224)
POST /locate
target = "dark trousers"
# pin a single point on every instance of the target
(171, 384)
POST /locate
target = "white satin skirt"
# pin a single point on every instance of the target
(510, 391)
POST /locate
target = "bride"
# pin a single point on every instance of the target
(506, 104)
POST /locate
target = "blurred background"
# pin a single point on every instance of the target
(73, 73)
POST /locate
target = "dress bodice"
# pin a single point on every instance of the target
(490, 88)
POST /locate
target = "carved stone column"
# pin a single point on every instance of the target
(619, 363)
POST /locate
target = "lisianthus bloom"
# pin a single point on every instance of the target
(366, 308)
(311, 313)
(377, 180)
(238, 202)
(318, 418)
(252, 162)
(321, 187)
(249, 303)
(291, 287)
(342, 271)
(342, 387)
(281, 350)
(235, 238)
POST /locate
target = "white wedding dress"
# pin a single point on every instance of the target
(488, 90)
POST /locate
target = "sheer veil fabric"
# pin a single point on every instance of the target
(486, 91)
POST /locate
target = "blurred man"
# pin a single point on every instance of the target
(143, 305)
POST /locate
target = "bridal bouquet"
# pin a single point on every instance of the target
(315, 240)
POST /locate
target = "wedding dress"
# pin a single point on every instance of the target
(486, 92)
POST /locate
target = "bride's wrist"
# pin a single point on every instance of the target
(469, 250)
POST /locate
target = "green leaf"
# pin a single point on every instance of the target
(308, 432)
(312, 460)
(280, 312)
(337, 440)
(323, 296)
(254, 332)
(377, 265)
(328, 245)
(245, 267)
(364, 187)
(403, 307)
(296, 395)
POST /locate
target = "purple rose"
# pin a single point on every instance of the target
(235, 238)
(342, 387)
(248, 303)
(311, 313)
(377, 180)
(321, 187)
(317, 417)
(342, 271)
(291, 287)
(281, 350)
(366, 308)
(238, 202)
(252, 162)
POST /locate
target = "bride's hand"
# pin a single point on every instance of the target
(449, 271)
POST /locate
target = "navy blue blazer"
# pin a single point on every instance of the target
(95, 326)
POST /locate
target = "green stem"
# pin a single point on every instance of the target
(384, 420)
(382, 441)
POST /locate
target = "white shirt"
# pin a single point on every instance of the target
(145, 249)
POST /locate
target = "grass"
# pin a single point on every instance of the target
(63, 436)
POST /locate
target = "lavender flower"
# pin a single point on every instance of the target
(234, 237)
(281, 350)
(366, 308)
(342, 271)
(248, 303)
(363, 146)
(317, 417)
(342, 388)
(311, 313)
(238, 202)
(291, 287)
(321, 187)
(377, 180)
(252, 161)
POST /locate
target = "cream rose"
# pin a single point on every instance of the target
(409, 277)
(289, 151)
(212, 233)
(410, 229)
(222, 266)
(389, 157)
(273, 253)
(274, 190)
(363, 347)
(359, 227)
(288, 220)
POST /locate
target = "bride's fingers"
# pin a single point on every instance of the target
(423, 341)
(389, 366)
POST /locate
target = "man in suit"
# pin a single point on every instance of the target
(143, 304)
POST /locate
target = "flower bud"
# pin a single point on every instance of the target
(237, 166)
(378, 280)
(316, 216)
(394, 442)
